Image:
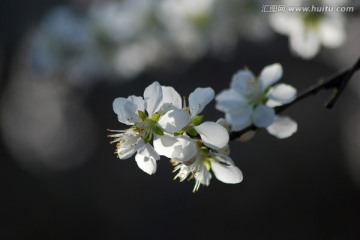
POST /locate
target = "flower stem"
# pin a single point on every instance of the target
(336, 82)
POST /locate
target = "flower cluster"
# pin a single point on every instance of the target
(177, 131)
(163, 124)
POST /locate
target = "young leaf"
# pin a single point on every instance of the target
(158, 130)
(155, 117)
(142, 115)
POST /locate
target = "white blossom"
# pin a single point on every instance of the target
(307, 31)
(251, 100)
(207, 159)
(181, 147)
(131, 111)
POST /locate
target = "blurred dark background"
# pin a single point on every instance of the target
(304, 187)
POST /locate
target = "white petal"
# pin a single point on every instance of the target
(243, 82)
(270, 75)
(224, 123)
(229, 100)
(139, 101)
(213, 135)
(125, 153)
(166, 145)
(226, 172)
(181, 148)
(174, 120)
(305, 43)
(281, 94)
(188, 149)
(332, 31)
(148, 151)
(148, 165)
(126, 111)
(153, 98)
(241, 119)
(284, 23)
(222, 158)
(225, 169)
(263, 116)
(282, 127)
(199, 99)
(171, 99)
(131, 145)
(146, 159)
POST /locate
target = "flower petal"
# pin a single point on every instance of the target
(126, 111)
(181, 148)
(199, 98)
(174, 120)
(225, 170)
(270, 75)
(189, 149)
(171, 99)
(132, 144)
(213, 135)
(243, 81)
(332, 31)
(263, 116)
(305, 43)
(125, 153)
(146, 159)
(282, 127)
(229, 100)
(166, 145)
(240, 119)
(281, 94)
(224, 123)
(153, 98)
(139, 101)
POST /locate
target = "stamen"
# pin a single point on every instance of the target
(184, 102)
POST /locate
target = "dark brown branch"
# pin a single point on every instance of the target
(337, 82)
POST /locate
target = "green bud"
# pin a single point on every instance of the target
(158, 130)
(246, 136)
(197, 119)
(191, 131)
(207, 164)
(155, 117)
(142, 115)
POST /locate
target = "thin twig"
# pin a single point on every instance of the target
(337, 82)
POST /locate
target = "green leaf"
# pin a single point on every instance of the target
(197, 119)
(158, 130)
(192, 132)
(142, 115)
(155, 117)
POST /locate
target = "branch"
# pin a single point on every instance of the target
(337, 82)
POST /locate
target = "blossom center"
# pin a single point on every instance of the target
(144, 128)
(254, 92)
